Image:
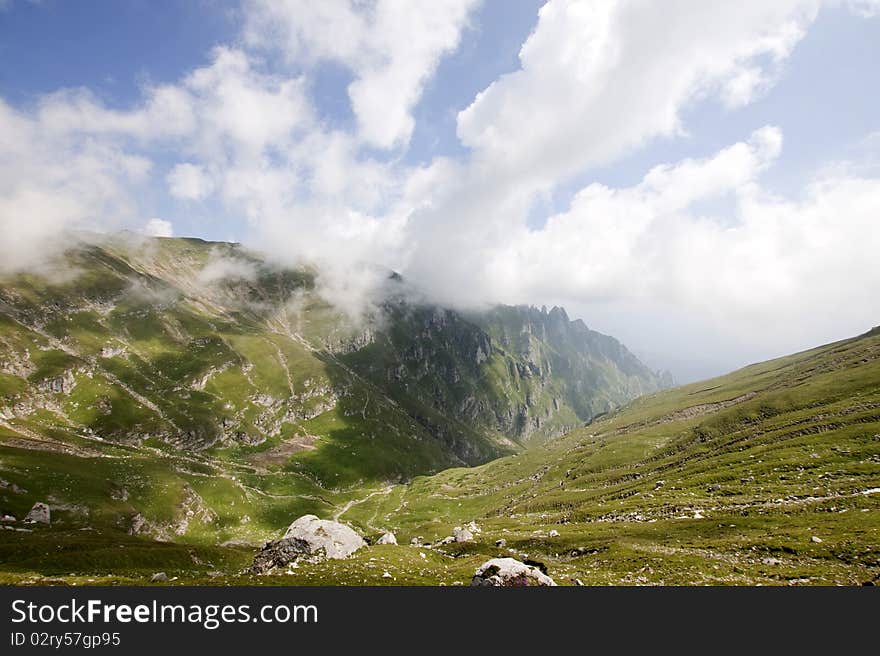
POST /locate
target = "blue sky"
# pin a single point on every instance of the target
(489, 153)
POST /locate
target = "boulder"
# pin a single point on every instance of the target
(509, 572)
(387, 538)
(310, 538)
(158, 577)
(279, 553)
(39, 514)
(334, 539)
(460, 534)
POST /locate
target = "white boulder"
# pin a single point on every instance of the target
(387, 538)
(460, 534)
(310, 538)
(509, 572)
(39, 514)
(334, 539)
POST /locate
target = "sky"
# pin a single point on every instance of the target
(700, 180)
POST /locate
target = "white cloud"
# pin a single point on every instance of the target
(189, 182)
(52, 183)
(864, 8)
(597, 80)
(391, 47)
(600, 78)
(767, 273)
(158, 228)
(165, 113)
(242, 112)
(220, 267)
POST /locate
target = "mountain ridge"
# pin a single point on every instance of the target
(194, 349)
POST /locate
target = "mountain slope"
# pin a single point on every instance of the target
(770, 474)
(141, 381)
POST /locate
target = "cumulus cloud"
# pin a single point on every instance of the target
(189, 182)
(600, 78)
(52, 182)
(391, 47)
(759, 272)
(158, 228)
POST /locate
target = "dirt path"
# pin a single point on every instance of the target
(355, 502)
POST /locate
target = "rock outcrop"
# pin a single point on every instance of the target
(509, 572)
(39, 514)
(460, 534)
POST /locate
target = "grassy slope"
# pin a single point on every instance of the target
(136, 433)
(721, 482)
(724, 481)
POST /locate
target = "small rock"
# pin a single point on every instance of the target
(713, 488)
(8, 519)
(38, 514)
(416, 541)
(460, 534)
(12, 487)
(816, 539)
(509, 572)
(771, 561)
(158, 577)
(553, 533)
(386, 575)
(387, 538)
(578, 582)
(501, 543)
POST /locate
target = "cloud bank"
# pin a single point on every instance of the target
(703, 246)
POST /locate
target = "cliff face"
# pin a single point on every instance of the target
(199, 346)
(518, 372)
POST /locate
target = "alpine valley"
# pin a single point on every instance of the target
(170, 406)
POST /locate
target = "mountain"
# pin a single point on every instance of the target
(144, 382)
(767, 475)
